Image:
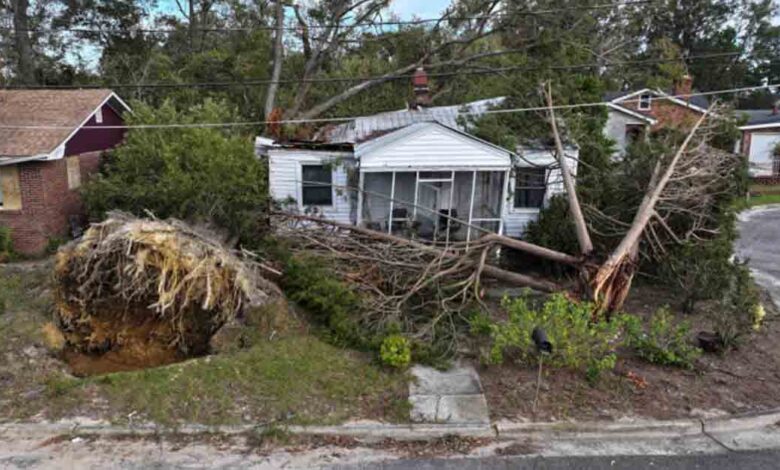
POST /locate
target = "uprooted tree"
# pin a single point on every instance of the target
(422, 288)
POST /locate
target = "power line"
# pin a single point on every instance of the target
(414, 22)
(353, 118)
(385, 78)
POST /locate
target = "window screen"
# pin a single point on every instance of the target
(530, 186)
(317, 185)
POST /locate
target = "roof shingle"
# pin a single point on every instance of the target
(67, 109)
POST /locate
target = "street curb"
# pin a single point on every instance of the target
(406, 432)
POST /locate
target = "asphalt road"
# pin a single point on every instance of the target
(763, 460)
(759, 243)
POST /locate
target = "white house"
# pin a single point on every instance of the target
(424, 179)
(760, 137)
(416, 172)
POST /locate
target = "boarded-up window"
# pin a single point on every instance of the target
(10, 191)
(74, 172)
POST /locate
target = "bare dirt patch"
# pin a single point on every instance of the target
(741, 380)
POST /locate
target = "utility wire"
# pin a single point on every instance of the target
(353, 118)
(489, 71)
(368, 24)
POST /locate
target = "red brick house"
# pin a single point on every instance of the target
(632, 113)
(50, 142)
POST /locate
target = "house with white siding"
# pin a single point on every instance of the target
(416, 172)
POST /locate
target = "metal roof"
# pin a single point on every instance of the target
(368, 127)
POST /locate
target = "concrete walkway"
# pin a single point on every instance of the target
(451, 397)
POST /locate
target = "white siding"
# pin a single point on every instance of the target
(430, 146)
(516, 219)
(284, 173)
(760, 156)
(615, 129)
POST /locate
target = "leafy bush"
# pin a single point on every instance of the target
(739, 310)
(330, 301)
(577, 342)
(666, 342)
(554, 229)
(396, 351)
(701, 271)
(198, 174)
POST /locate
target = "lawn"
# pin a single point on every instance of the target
(763, 194)
(293, 379)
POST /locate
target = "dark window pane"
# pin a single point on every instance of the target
(317, 173)
(317, 196)
(530, 187)
(317, 185)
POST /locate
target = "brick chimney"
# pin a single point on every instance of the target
(684, 86)
(422, 93)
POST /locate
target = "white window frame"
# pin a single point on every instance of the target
(99, 116)
(645, 102)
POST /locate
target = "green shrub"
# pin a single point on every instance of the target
(54, 243)
(666, 342)
(739, 309)
(329, 301)
(6, 244)
(701, 271)
(577, 342)
(396, 351)
(202, 175)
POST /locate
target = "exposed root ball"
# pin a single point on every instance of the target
(150, 285)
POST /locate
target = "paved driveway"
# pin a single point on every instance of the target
(759, 242)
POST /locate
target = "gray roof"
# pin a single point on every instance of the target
(368, 127)
(759, 116)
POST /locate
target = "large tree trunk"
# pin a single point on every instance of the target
(583, 237)
(270, 98)
(612, 281)
(25, 62)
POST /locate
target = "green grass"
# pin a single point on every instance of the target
(295, 379)
(763, 199)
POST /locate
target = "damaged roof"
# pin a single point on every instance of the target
(369, 127)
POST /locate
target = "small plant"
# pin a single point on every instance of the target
(6, 244)
(54, 243)
(396, 351)
(666, 342)
(577, 342)
(738, 311)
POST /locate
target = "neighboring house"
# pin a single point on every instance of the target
(415, 167)
(761, 142)
(631, 114)
(47, 149)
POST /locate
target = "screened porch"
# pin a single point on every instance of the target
(433, 205)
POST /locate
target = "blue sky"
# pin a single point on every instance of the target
(406, 9)
(421, 8)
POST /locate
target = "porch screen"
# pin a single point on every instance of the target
(317, 185)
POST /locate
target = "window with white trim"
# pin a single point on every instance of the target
(644, 102)
(530, 188)
(317, 185)
(99, 116)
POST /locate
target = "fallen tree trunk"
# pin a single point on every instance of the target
(521, 280)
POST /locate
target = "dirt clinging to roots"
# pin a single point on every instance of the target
(135, 293)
